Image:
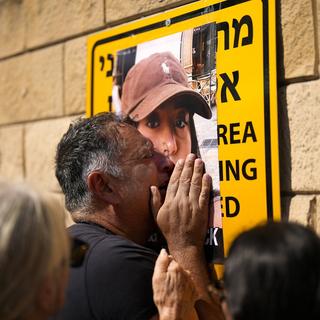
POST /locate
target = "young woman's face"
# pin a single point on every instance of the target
(169, 129)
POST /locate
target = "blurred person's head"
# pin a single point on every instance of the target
(272, 273)
(34, 254)
(157, 98)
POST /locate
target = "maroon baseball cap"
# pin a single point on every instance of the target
(155, 80)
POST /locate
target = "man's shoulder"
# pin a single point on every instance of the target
(104, 246)
(115, 280)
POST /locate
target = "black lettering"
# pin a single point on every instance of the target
(249, 132)
(231, 85)
(102, 62)
(225, 27)
(230, 168)
(222, 130)
(221, 170)
(229, 133)
(253, 170)
(237, 28)
(234, 132)
(232, 206)
(101, 59)
(110, 58)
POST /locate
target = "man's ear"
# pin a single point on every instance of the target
(103, 187)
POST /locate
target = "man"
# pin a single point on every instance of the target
(112, 180)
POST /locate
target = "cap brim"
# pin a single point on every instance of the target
(161, 94)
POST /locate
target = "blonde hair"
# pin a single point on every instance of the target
(33, 242)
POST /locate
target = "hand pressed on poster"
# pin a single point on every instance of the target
(183, 218)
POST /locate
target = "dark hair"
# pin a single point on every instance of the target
(194, 140)
(273, 272)
(89, 144)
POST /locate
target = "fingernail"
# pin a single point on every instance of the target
(191, 156)
(180, 162)
(198, 162)
(163, 251)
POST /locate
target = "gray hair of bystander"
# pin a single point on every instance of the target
(34, 247)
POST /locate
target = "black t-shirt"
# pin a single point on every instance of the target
(115, 280)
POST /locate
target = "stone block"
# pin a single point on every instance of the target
(12, 27)
(11, 153)
(75, 66)
(119, 10)
(41, 140)
(305, 209)
(317, 4)
(31, 86)
(303, 115)
(298, 36)
(301, 209)
(49, 21)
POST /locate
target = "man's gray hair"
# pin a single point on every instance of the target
(90, 144)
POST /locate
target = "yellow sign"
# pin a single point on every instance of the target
(227, 50)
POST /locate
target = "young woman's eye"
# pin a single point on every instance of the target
(153, 123)
(181, 123)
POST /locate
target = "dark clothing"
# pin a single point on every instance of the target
(115, 280)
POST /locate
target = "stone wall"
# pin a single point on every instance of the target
(43, 74)
(299, 103)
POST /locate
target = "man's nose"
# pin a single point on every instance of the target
(163, 163)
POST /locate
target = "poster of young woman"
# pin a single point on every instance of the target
(163, 72)
(167, 88)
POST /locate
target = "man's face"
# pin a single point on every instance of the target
(143, 168)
